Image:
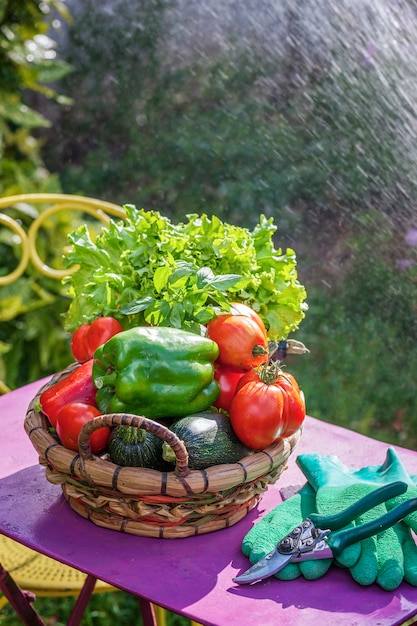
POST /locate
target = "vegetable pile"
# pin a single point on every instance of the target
(223, 398)
(179, 323)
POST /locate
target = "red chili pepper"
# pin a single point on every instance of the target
(76, 387)
(88, 337)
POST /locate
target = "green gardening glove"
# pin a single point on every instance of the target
(378, 475)
(379, 558)
(264, 536)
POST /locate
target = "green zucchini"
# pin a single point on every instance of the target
(209, 439)
(136, 447)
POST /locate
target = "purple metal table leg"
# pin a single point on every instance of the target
(20, 600)
(146, 607)
(148, 613)
(82, 601)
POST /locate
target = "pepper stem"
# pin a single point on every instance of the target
(108, 380)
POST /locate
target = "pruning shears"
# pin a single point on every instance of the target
(309, 541)
(279, 350)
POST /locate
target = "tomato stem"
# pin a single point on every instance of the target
(259, 350)
(268, 373)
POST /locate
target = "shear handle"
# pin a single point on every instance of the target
(339, 541)
(368, 502)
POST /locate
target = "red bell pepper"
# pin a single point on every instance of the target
(76, 387)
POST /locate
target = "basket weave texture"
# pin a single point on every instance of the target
(146, 502)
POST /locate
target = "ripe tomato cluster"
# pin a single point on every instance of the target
(243, 344)
(264, 403)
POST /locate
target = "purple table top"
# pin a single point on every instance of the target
(192, 576)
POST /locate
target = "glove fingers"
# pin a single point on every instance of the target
(361, 556)
(365, 570)
(312, 570)
(390, 559)
(264, 536)
(289, 572)
(383, 559)
(261, 548)
(410, 556)
(350, 555)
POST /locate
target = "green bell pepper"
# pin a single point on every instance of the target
(155, 371)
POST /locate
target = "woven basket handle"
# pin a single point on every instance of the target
(138, 421)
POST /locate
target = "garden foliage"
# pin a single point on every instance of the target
(32, 340)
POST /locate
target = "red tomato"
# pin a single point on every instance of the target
(88, 337)
(78, 344)
(268, 405)
(242, 342)
(294, 410)
(284, 379)
(288, 381)
(71, 418)
(228, 379)
(244, 309)
(256, 414)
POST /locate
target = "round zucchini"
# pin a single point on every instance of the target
(209, 439)
(136, 447)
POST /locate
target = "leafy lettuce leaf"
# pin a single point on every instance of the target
(147, 270)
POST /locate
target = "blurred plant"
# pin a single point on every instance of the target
(234, 133)
(362, 336)
(113, 49)
(27, 62)
(32, 340)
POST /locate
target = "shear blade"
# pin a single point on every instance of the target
(268, 566)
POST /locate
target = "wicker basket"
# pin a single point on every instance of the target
(146, 502)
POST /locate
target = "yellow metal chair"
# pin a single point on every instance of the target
(32, 571)
(42, 576)
(45, 577)
(59, 203)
